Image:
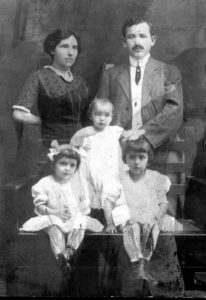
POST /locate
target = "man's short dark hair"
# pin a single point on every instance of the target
(135, 21)
(54, 38)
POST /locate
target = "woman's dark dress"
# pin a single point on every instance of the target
(60, 104)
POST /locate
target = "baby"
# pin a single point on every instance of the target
(101, 155)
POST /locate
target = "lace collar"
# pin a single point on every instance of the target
(68, 78)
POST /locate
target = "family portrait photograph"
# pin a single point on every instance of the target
(103, 148)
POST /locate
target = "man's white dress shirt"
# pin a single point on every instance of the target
(136, 89)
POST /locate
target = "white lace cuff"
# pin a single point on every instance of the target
(22, 108)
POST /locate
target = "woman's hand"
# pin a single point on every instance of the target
(111, 228)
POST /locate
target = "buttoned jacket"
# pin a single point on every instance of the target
(161, 101)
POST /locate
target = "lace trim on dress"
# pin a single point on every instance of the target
(19, 107)
(68, 79)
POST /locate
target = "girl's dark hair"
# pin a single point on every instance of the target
(139, 146)
(135, 21)
(101, 101)
(54, 38)
(67, 153)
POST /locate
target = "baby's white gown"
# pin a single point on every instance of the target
(102, 164)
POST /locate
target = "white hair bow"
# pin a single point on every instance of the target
(56, 149)
(52, 153)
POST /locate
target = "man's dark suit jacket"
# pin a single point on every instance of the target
(162, 100)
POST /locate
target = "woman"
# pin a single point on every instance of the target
(54, 96)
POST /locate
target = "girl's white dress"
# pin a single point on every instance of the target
(102, 163)
(57, 195)
(143, 199)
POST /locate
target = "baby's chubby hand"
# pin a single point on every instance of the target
(111, 228)
(86, 145)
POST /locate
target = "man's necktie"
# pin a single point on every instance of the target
(138, 74)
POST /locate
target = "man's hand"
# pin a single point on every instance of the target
(131, 135)
(107, 66)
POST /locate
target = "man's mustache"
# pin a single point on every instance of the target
(137, 47)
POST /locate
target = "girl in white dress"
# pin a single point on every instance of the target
(145, 194)
(60, 213)
(101, 159)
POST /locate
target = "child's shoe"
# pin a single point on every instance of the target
(64, 265)
(135, 283)
(141, 269)
(153, 281)
(60, 260)
(68, 253)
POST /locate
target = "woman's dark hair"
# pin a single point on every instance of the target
(67, 153)
(139, 146)
(101, 101)
(135, 21)
(54, 38)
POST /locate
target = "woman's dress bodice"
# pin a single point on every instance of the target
(59, 103)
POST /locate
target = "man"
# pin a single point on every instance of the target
(146, 93)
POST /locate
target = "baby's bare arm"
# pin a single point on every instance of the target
(108, 206)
